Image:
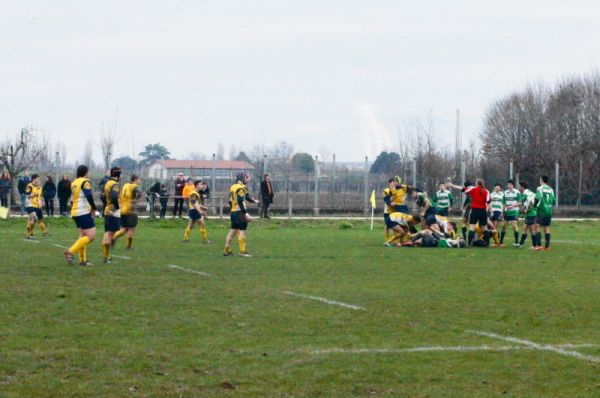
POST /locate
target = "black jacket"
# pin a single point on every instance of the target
(179, 185)
(267, 197)
(49, 190)
(64, 189)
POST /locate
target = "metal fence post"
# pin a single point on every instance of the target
(366, 187)
(289, 207)
(580, 182)
(220, 207)
(316, 206)
(510, 171)
(557, 186)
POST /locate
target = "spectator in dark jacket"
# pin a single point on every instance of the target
(5, 186)
(163, 193)
(266, 191)
(178, 200)
(64, 194)
(49, 192)
(23, 182)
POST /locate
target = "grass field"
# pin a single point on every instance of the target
(176, 320)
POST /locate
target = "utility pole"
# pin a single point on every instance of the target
(366, 187)
(316, 207)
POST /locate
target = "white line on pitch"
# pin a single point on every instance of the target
(575, 242)
(459, 348)
(542, 347)
(191, 271)
(123, 257)
(61, 246)
(326, 301)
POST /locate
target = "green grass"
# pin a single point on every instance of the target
(138, 328)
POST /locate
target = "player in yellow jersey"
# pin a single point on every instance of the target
(130, 193)
(399, 191)
(33, 206)
(82, 209)
(401, 223)
(196, 213)
(238, 196)
(112, 212)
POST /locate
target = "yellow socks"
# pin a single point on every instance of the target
(79, 244)
(242, 243)
(29, 229)
(43, 227)
(106, 250)
(129, 242)
(203, 233)
(392, 239)
(118, 234)
(227, 250)
(186, 234)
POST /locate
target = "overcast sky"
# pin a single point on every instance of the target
(339, 74)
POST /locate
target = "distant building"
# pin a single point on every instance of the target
(224, 169)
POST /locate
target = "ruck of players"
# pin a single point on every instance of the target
(486, 215)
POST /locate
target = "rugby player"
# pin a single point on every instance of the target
(130, 193)
(33, 206)
(544, 203)
(112, 212)
(238, 196)
(512, 202)
(196, 213)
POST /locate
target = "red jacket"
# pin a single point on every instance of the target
(480, 197)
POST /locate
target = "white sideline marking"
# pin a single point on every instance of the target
(541, 347)
(191, 271)
(459, 348)
(122, 257)
(576, 242)
(61, 246)
(326, 301)
(31, 240)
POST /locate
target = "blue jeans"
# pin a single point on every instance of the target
(22, 203)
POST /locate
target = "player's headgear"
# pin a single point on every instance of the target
(115, 172)
(398, 179)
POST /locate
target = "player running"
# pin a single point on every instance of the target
(238, 196)
(81, 211)
(33, 206)
(443, 200)
(528, 200)
(512, 201)
(544, 202)
(112, 212)
(196, 214)
(129, 219)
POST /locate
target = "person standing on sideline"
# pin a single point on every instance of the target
(178, 195)
(64, 194)
(544, 202)
(5, 186)
(23, 182)
(238, 196)
(267, 195)
(49, 192)
(163, 194)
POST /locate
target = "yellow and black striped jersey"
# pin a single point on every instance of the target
(399, 194)
(33, 196)
(111, 191)
(236, 190)
(80, 187)
(129, 194)
(387, 200)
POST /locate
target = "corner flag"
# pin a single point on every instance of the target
(372, 200)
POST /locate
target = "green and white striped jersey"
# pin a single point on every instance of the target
(528, 199)
(443, 199)
(512, 198)
(545, 199)
(497, 200)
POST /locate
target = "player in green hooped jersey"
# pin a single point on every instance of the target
(512, 200)
(528, 200)
(443, 200)
(544, 202)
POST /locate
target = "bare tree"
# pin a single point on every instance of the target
(88, 154)
(22, 152)
(221, 151)
(108, 139)
(197, 156)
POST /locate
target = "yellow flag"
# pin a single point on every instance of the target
(373, 199)
(3, 212)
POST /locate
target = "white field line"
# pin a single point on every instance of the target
(191, 271)
(541, 347)
(326, 301)
(122, 257)
(575, 242)
(61, 246)
(459, 348)
(31, 240)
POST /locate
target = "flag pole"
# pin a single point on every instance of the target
(372, 214)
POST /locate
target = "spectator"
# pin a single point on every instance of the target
(5, 186)
(178, 196)
(163, 193)
(266, 191)
(152, 194)
(23, 182)
(49, 192)
(64, 194)
(188, 189)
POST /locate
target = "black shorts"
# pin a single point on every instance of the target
(511, 218)
(84, 222)
(111, 223)
(238, 221)
(129, 220)
(530, 220)
(442, 212)
(39, 214)
(543, 221)
(466, 213)
(401, 209)
(194, 214)
(430, 220)
(496, 216)
(388, 223)
(478, 216)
